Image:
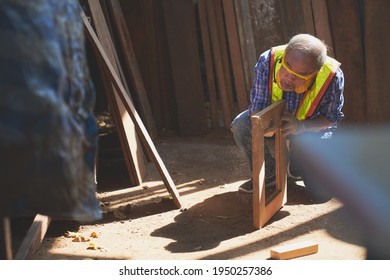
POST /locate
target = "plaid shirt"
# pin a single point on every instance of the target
(329, 107)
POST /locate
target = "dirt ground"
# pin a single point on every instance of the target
(142, 223)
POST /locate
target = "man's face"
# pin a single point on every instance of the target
(296, 69)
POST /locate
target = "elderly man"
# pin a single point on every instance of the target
(312, 84)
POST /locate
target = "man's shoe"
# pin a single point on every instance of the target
(246, 187)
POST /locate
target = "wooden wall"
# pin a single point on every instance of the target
(358, 36)
(189, 54)
(196, 57)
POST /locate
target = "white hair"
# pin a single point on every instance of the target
(310, 45)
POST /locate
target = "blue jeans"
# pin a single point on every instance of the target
(242, 132)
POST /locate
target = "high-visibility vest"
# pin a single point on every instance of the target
(316, 91)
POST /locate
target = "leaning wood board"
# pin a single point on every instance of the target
(349, 49)
(180, 24)
(121, 92)
(209, 64)
(218, 62)
(235, 55)
(131, 146)
(34, 237)
(126, 43)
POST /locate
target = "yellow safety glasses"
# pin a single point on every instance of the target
(303, 77)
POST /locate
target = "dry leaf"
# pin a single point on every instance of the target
(223, 217)
(93, 246)
(80, 239)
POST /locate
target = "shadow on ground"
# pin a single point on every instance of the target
(228, 215)
(207, 224)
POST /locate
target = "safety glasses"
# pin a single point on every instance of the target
(300, 76)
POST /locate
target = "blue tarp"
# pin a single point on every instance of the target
(48, 132)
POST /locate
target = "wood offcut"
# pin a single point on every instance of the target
(295, 250)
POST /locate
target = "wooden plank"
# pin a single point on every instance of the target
(131, 147)
(377, 54)
(112, 41)
(145, 23)
(235, 55)
(295, 250)
(308, 17)
(34, 237)
(348, 46)
(265, 207)
(5, 239)
(206, 44)
(321, 23)
(266, 24)
(179, 18)
(132, 66)
(292, 18)
(245, 32)
(221, 31)
(219, 68)
(165, 92)
(142, 132)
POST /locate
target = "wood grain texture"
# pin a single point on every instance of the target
(179, 19)
(209, 63)
(141, 130)
(265, 207)
(33, 238)
(242, 95)
(294, 250)
(130, 144)
(125, 41)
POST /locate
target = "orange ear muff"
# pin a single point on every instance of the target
(278, 79)
(303, 88)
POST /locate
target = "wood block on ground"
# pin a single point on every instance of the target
(294, 250)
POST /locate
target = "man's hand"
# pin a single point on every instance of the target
(290, 124)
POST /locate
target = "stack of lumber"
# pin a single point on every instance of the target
(193, 57)
(182, 64)
(128, 122)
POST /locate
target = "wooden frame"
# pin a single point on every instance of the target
(265, 207)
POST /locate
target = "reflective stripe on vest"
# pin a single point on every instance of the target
(313, 96)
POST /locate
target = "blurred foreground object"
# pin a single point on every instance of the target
(355, 168)
(48, 132)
